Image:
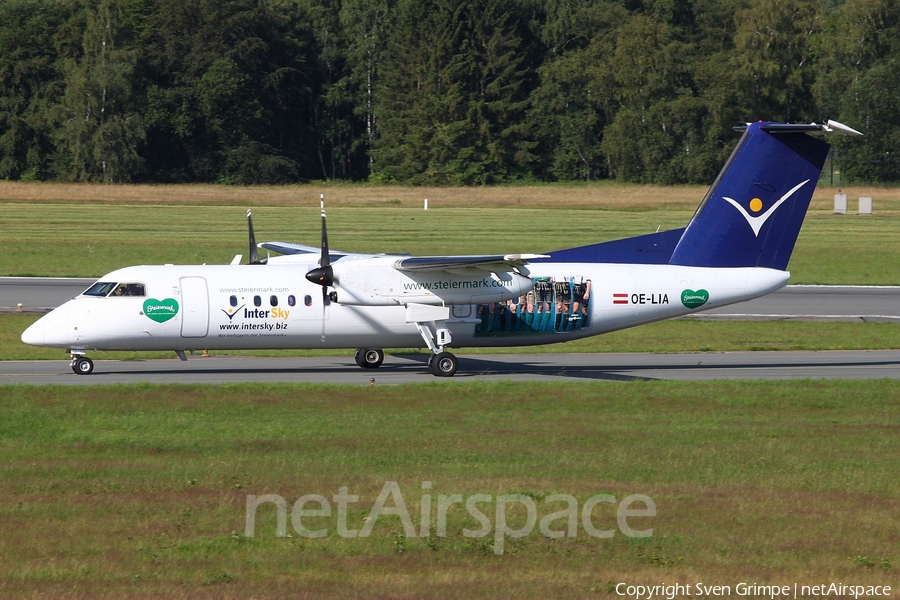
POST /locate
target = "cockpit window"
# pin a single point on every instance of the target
(101, 288)
(129, 289)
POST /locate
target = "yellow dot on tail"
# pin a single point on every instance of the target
(756, 205)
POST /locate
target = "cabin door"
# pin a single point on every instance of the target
(195, 307)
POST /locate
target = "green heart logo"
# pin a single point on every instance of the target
(160, 310)
(692, 299)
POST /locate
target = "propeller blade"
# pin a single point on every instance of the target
(254, 253)
(324, 275)
(325, 302)
(324, 260)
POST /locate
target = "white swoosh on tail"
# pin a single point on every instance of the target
(757, 222)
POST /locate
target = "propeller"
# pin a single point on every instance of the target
(324, 274)
(254, 253)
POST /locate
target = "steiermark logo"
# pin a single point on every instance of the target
(160, 310)
(756, 205)
(694, 299)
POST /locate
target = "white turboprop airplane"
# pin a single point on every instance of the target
(735, 247)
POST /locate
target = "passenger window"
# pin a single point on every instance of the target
(233, 301)
(291, 300)
(273, 300)
(257, 301)
(101, 289)
(307, 300)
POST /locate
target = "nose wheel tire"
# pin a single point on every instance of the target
(443, 364)
(82, 366)
(369, 358)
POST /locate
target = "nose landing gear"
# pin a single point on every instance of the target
(82, 365)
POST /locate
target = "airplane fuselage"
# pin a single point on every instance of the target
(219, 307)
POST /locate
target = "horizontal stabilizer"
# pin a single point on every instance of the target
(829, 127)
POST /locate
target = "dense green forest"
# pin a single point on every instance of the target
(434, 91)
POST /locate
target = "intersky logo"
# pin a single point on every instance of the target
(232, 311)
(756, 205)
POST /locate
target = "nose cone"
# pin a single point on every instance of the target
(36, 334)
(51, 331)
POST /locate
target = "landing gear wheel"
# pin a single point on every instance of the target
(369, 358)
(82, 366)
(444, 364)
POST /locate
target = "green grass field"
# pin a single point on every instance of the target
(92, 240)
(141, 491)
(680, 335)
(108, 227)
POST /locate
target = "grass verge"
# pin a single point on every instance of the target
(679, 335)
(141, 491)
(89, 230)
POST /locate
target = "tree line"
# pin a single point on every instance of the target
(446, 92)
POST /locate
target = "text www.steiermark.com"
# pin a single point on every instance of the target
(458, 285)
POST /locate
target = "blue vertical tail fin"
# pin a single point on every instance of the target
(753, 212)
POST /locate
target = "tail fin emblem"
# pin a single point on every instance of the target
(757, 222)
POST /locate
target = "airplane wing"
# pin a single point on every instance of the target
(289, 249)
(485, 262)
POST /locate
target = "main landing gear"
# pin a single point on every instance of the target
(81, 364)
(369, 358)
(443, 364)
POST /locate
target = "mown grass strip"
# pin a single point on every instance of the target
(680, 335)
(90, 239)
(141, 490)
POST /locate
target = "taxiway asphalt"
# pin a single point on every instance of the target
(401, 369)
